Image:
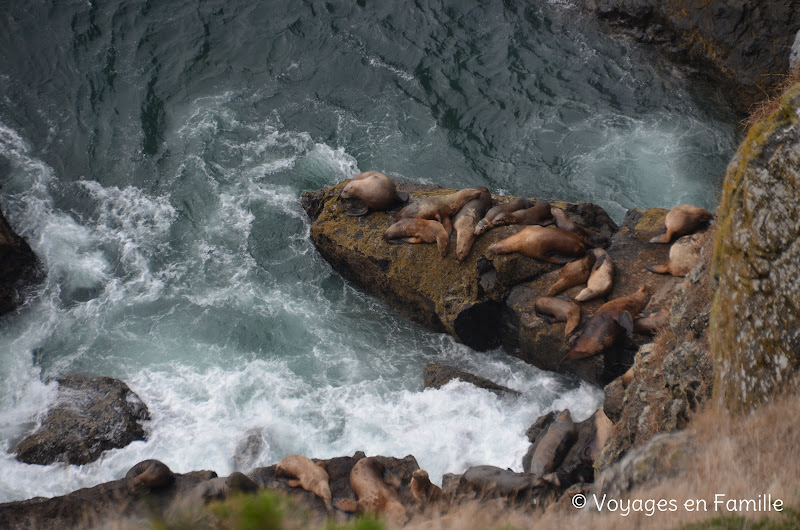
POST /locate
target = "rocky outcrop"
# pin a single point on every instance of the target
(438, 375)
(19, 267)
(755, 320)
(90, 415)
(485, 302)
(744, 47)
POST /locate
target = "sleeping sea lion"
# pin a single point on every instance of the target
(466, 219)
(376, 191)
(562, 311)
(572, 274)
(439, 207)
(683, 220)
(683, 256)
(650, 324)
(374, 495)
(217, 489)
(611, 319)
(309, 475)
(538, 214)
(601, 280)
(552, 245)
(591, 237)
(149, 474)
(502, 208)
(554, 445)
(424, 491)
(414, 230)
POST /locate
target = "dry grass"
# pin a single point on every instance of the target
(772, 101)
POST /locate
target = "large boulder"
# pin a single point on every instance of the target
(438, 375)
(744, 47)
(90, 415)
(19, 267)
(755, 318)
(483, 302)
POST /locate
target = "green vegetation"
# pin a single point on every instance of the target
(788, 519)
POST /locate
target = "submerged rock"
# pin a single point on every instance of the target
(90, 415)
(755, 320)
(438, 375)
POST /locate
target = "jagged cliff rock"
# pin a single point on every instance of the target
(482, 302)
(743, 46)
(90, 415)
(19, 267)
(755, 319)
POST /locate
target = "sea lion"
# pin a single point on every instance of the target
(502, 208)
(465, 220)
(493, 482)
(611, 319)
(554, 445)
(149, 474)
(415, 230)
(572, 274)
(306, 474)
(439, 207)
(538, 214)
(601, 279)
(374, 495)
(424, 491)
(647, 325)
(591, 237)
(552, 245)
(683, 256)
(683, 220)
(376, 191)
(627, 377)
(603, 428)
(562, 311)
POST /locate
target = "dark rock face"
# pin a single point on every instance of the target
(438, 375)
(19, 267)
(743, 46)
(755, 320)
(483, 302)
(91, 415)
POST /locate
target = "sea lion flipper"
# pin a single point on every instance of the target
(626, 321)
(403, 196)
(663, 238)
(658, 269)
(357, 212)
(294, 483)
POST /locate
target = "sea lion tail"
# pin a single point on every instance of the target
(658, 269)
(663, 238)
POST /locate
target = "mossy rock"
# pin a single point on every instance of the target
(755, 317)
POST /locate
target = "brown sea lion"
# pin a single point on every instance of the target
(217, 489)
(591, 237)
(309, 475)
(572, 274)
(502, 208)
(376, 191)
(683, 220)
(439, 207)
(650, 324)
(538, 214)
(603, 428)
(149, 474)
(561, 310)
(491, 481)
(427, 494)
(554, 445)
(552, 245)
(611, 319)
(627, 377)
(415, 230)
(374, 495)
(684, 254)
(465, 220)
(601, 280)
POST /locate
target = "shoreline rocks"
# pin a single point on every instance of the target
(89, 416)
(19, 268)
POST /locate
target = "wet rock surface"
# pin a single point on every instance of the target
(438, 375)
(89, 416)
(19, 268)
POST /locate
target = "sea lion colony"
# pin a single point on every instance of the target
(585, 261)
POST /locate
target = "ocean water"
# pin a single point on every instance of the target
(153, 154)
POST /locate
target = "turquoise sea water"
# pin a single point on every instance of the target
(153, 154)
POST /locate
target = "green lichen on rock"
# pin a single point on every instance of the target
(755, 318)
